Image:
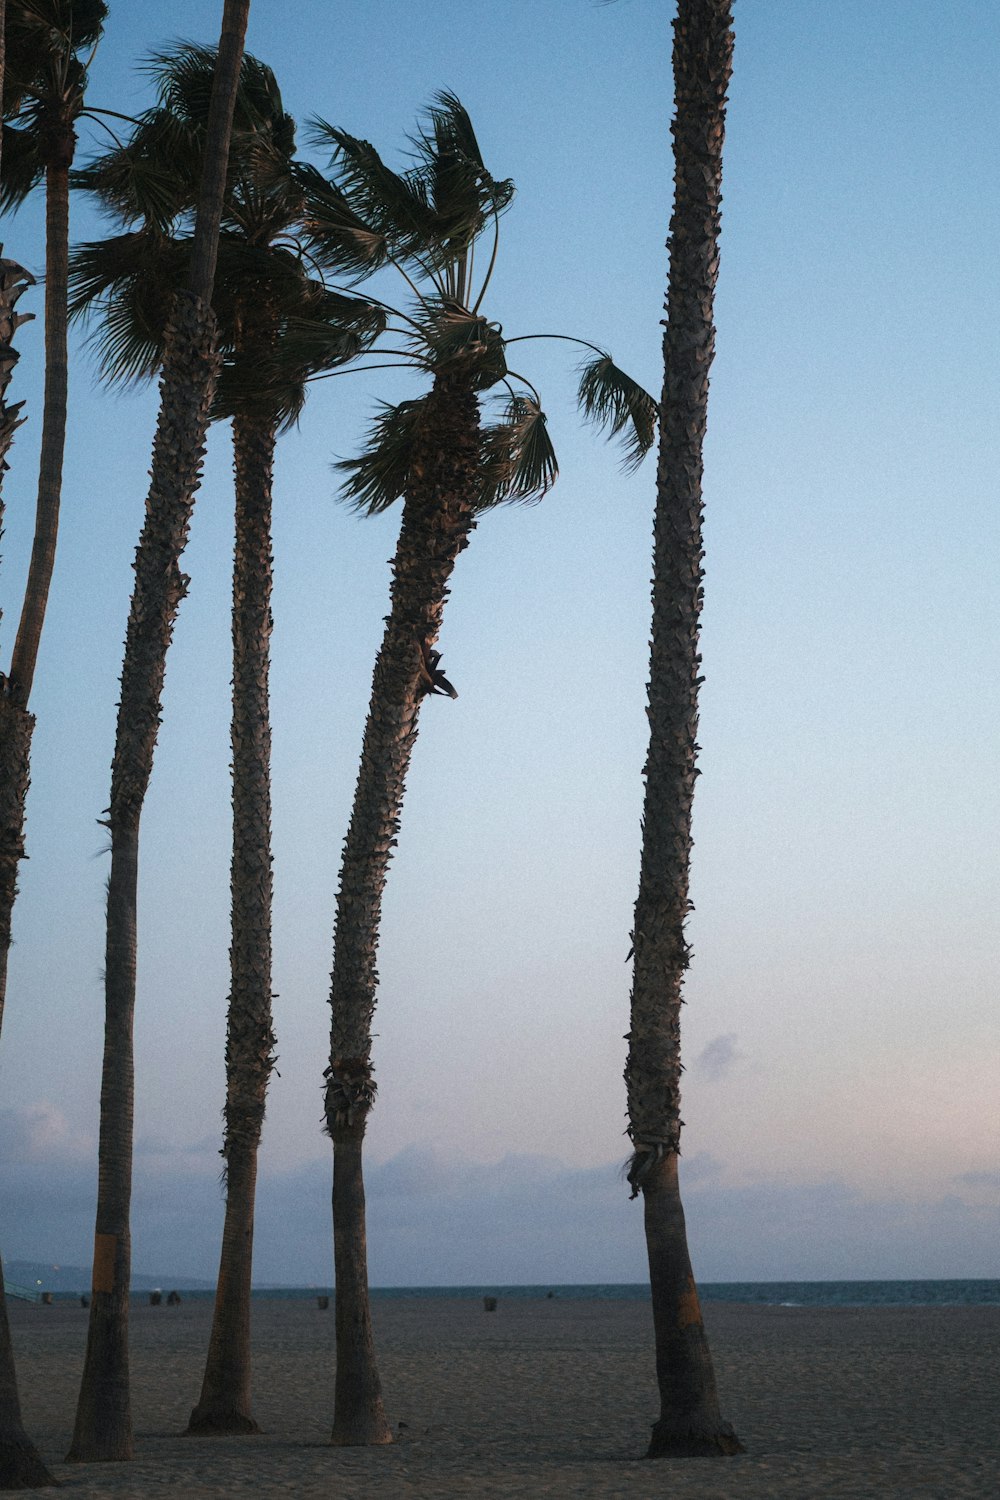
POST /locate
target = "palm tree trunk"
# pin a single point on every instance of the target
(438, 518)
(103, 1426)
(690, 1421)
(43, 550)
(103, 1429)
(224, 1405)
(20, 1466)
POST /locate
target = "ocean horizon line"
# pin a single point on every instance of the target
(831, 1292)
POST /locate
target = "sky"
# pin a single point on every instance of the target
(840, 1031)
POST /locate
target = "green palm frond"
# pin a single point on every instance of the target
(183, 73)
(126, 285)
(150, 178)
(455, 337)
(275, 379)
(394, 204)
(22, 166)
(461, 188)
(341, 239)
(44, 78)
(518, 460)
(380, 474)
(611, 399)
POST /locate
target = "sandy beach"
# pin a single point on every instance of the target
(546, 1398)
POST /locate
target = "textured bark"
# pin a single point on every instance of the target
(21, 1468)
(438, 518)
(103, 1424)
(690, 1419)
(13, 280)
(689, 1423)
(43, 549)
(359, 1416)
(224, 1404)
(16, 728)
(218, 130)
(103, 1428)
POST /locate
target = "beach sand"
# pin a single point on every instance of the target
(546, 1398)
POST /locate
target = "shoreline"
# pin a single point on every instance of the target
(544, 1397)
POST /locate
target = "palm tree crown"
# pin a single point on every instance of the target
(278, 325)
(45, 82)
(426, 224)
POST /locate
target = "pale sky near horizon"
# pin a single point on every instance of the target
(841, 1025)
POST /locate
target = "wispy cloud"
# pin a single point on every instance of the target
(37, 1133)
(718, 1059)
(987, 1179)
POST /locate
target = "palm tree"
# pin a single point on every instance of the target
(435, 453)
(21, 1466)
(689, 1422)
(272, 316)
(103, 1427)
(45, 84)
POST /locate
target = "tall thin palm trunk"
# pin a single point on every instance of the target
(103, 1429)
(21, 1466)
(43, 550)
(16, 724)
(438, 517)
(225, 1401)
(690, 1421)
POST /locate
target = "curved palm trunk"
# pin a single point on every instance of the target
(21, 1466)
(43, 550)
(103, 1429)
(224, 1404)
(438, 517)
(690, 1421)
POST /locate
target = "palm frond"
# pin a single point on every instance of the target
(462, 189)
(613, 400)
(454, 336)
(518, 460)
(43, 75)
(340, 239)
(380, 474)
(22, 165)
(126, 285)
(391, 202)
(150, 179)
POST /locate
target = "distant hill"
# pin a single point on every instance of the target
(50, 1278)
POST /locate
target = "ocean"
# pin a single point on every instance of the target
(977, 1293)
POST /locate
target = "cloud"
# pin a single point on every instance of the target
(717, 1060)
(442, 1219)
(988, 1179)
(38, 1133)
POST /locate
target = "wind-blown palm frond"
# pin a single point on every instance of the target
(22, 166)
(612, 399)
(454, 336)
(394, 204)
(339, 238)
(380, 474)
(518, 460)
(462, 191)
(148, 180)
(276, 380)
(129, 280)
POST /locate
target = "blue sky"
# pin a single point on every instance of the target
(840, 1031)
